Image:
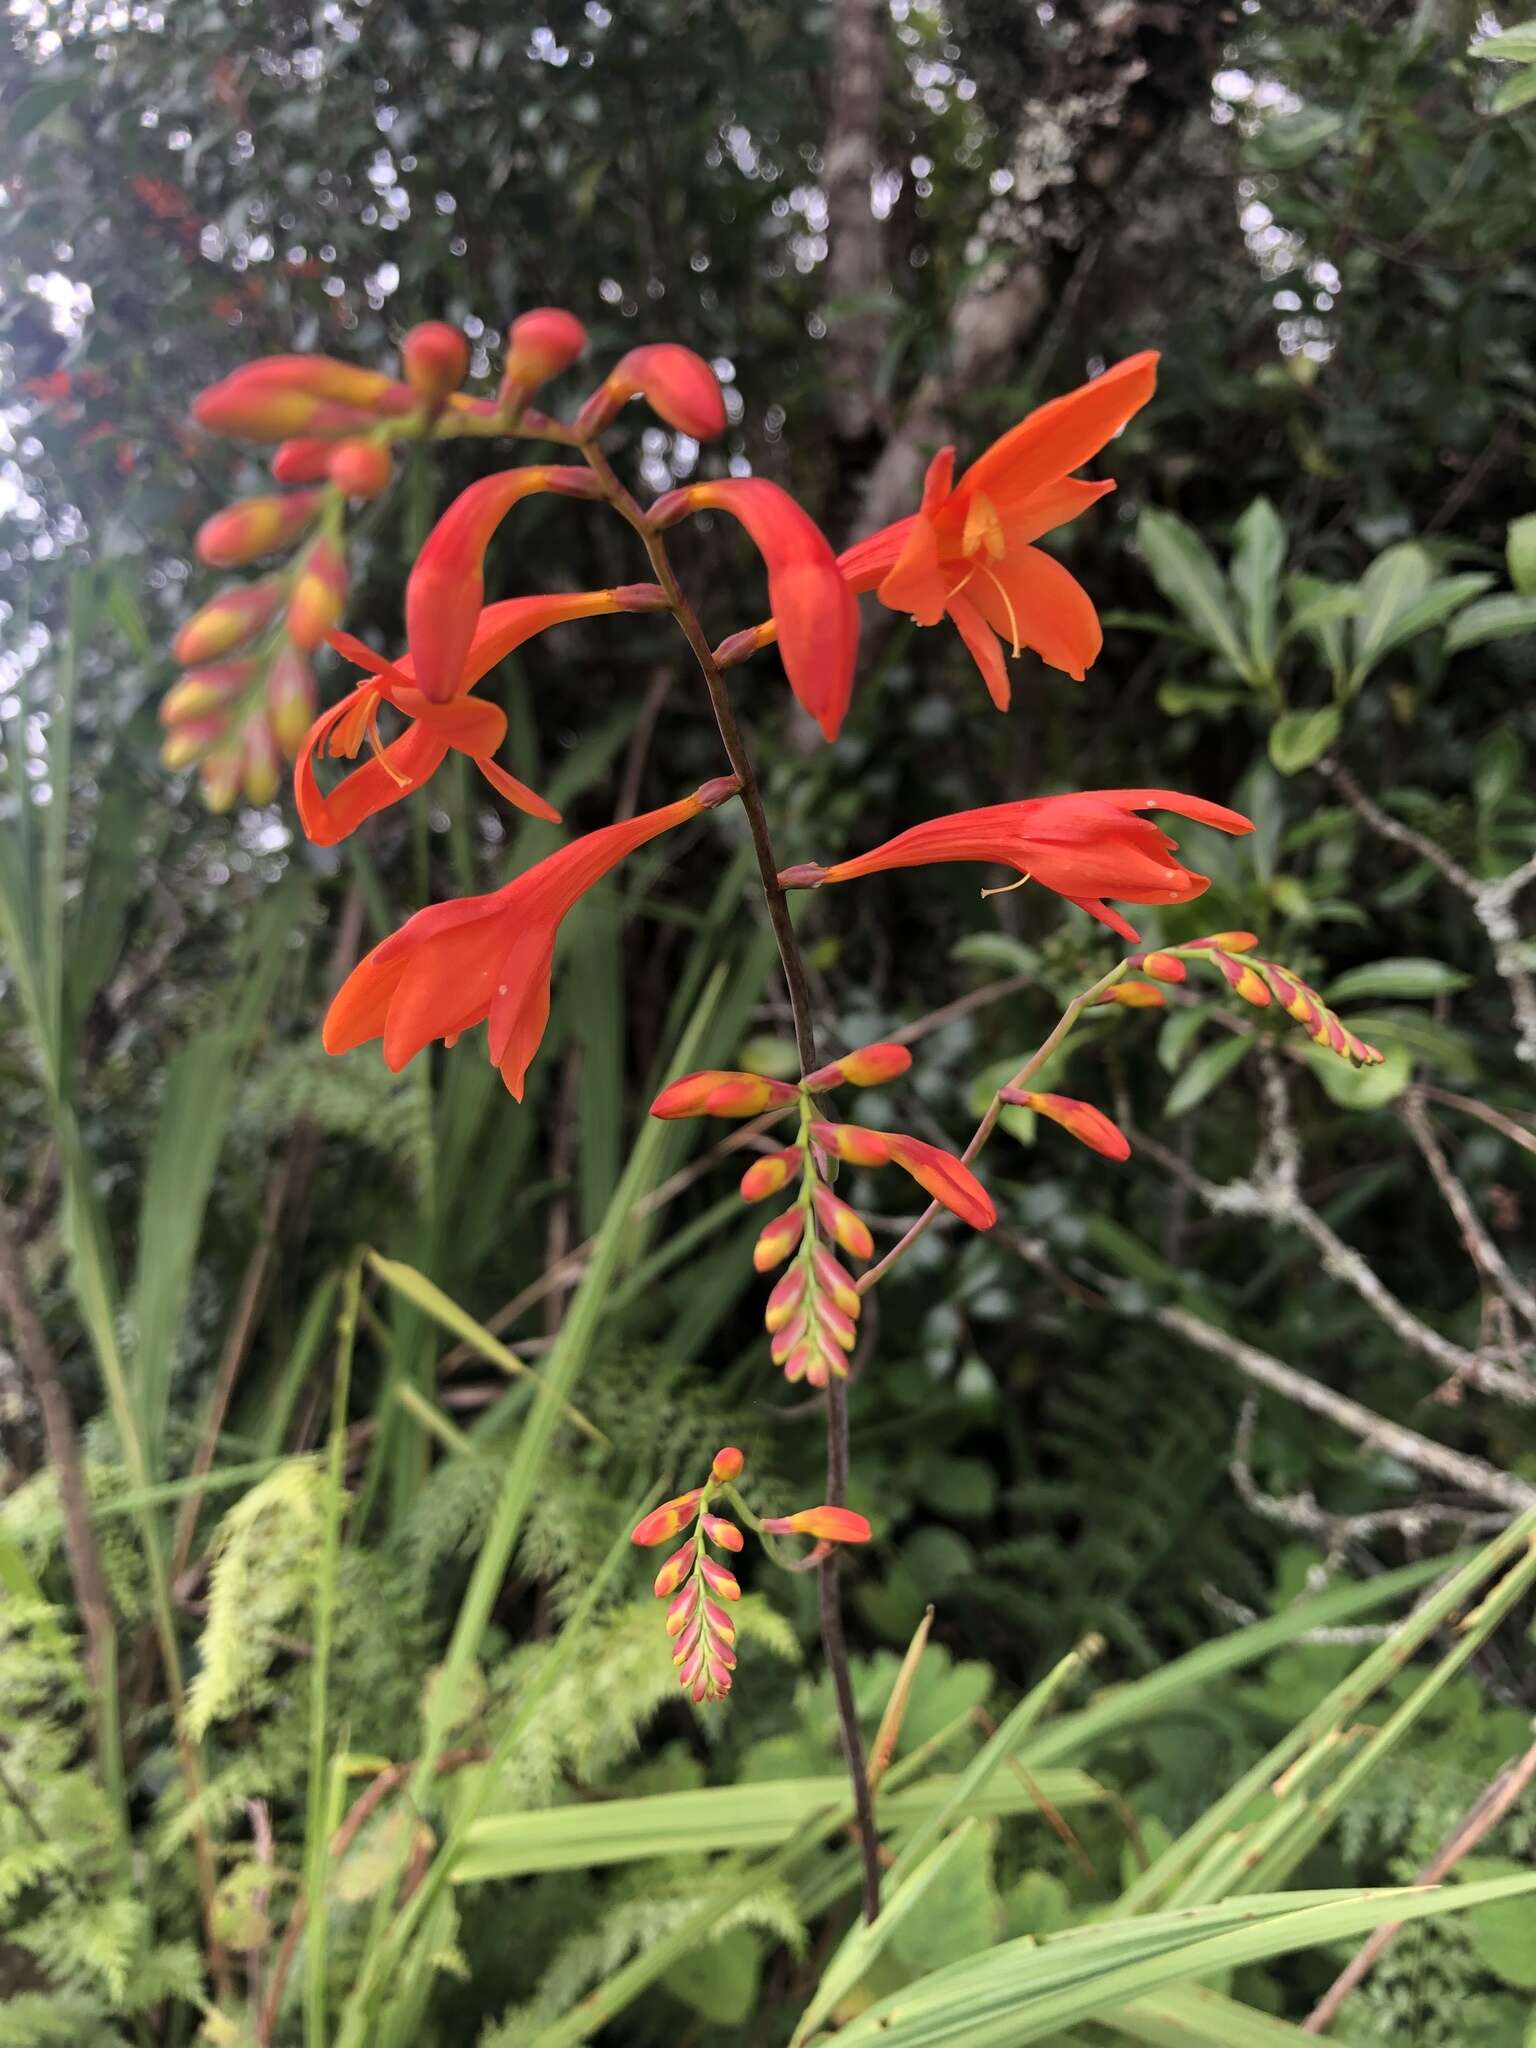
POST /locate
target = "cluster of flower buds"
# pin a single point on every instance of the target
(813, 1310)
(1259, 982)
(699, 1590)
(248, 697)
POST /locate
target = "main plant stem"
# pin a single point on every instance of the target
(797, 983)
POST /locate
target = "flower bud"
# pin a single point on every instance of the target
(785, 1298)
(778, 1239)
(280, 396)
(290, 699)
(727, 1464)
(303, 461)
(1161, 966)
(721, 1581)
(363, 469)
(678, 385)
(766, 1176)
(1090, 1126)
(867, 1068)
(541, 343)
(666, 1520)
(319, 593)
(1132, 995)
(220, 779)
(682, 1608)
(192, 739)
(717, 1092)
(435, 358)
(227, 621)
(261, 765)
(673, 1572)
(1243, 980)
(202, 692)
(842, 1224)
(837, 1323)
(786, 1339)
(721, 1532)
(1229, 942)
(255, 526)
(830, 1525)
(836, 1281)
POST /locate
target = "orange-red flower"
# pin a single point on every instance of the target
(470, 726)
(969, 552)
(446, 587)
(814, 611)
(1085, 847)
(277, 396)
(488, 958)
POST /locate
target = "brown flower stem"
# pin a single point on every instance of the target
(988, 1124)
(797, 982)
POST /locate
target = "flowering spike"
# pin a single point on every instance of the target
(718, 1092)
(679, 387)
(778, 1239)
(829, 1524)
(237, 614)
(842, 1224)
(435, 358)
(666, 1520)
(817, 615)
(1090, 1126)
(867, 1068)
(252, 527)
(766, 1176)
(362, 469)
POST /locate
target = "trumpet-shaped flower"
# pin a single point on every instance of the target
(969, 551)
(446, 588)
(813, 607)
(489, 958)
(1084, 847)
(470, 726)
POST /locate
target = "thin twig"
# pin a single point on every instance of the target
(1492, 1266)
(1492, 902)
(1484, 1817)
(988, 1124)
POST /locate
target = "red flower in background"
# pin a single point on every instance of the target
(1085, 847)
(473, 728)
(969, 551)
(488, 958)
